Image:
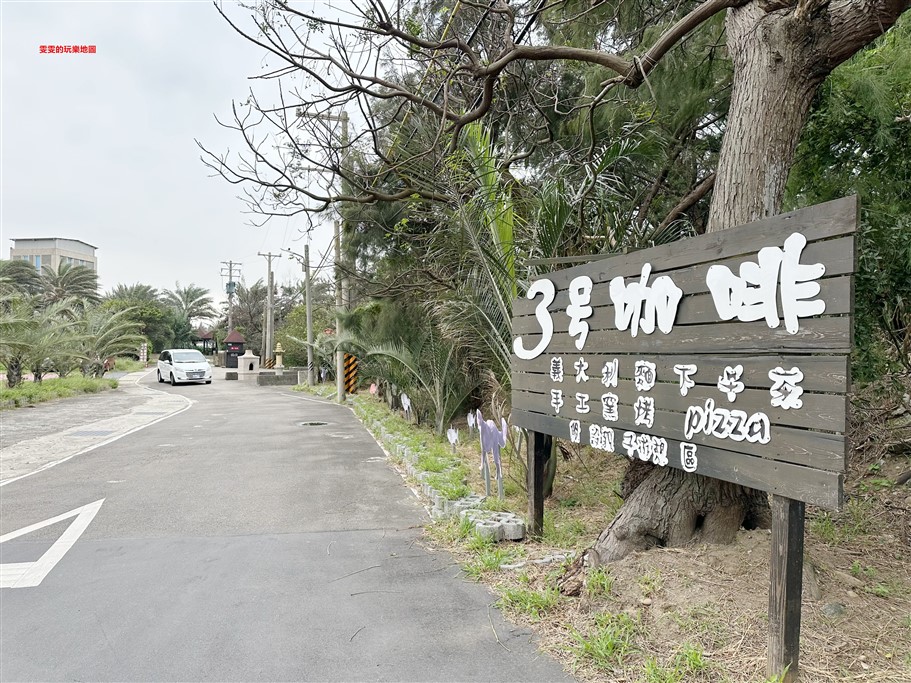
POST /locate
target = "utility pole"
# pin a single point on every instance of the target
(230, 267)
(269, 327)
(339, 356)
(341, 300)
(305, 264)
(310, 372)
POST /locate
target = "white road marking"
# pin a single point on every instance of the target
(31, 574)
(110, 440)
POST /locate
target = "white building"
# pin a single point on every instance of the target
(52, 251)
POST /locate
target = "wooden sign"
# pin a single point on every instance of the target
(724, 354)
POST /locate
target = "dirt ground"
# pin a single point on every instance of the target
(701, 613)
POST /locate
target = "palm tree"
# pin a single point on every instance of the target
(436, 367)
(104, 334)
(19, 276)
(69, 282)
(137, 293)
(52, 341)
(192, 301)
(30, 334)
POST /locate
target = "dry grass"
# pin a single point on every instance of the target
(700, 613)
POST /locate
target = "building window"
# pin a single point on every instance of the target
(38, 261)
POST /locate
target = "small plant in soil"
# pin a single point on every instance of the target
(599, 583)
(488, 559)
(650, 583)
(534, 604)
(609, 642)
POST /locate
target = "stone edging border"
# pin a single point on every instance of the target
(494, 526)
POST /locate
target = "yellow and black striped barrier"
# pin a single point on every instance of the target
(350, 373)
(269, 363)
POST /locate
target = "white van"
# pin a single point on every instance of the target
(183, 365)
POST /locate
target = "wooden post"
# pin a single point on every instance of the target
(786, 570)
(539, 447)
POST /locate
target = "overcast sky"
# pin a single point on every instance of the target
(100, 147)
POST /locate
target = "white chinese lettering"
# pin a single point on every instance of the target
(556, 369)
(640, 305)
(729, 382)
(688, 460)
(607, 439)
(595, 439)
(630, 444)
(786, 389)
(659, 451)
(582, 406)
(610, 373)
(556, 400)
(644, 375)
(609, 410)
(644, 411)
(580, 296)
(581, 366)
(575, 431)
(685, 372)
(752, 295)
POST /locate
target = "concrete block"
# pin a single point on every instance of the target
(489, 530)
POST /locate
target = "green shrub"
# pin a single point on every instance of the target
(33, 392)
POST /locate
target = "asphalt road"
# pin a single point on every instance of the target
(233, 543)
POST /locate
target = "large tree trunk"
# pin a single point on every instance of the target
(776, 76)
(14, 372)
(782, 50)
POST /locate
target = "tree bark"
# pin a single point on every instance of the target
(13, 372)
(777, 69)
(782, 50)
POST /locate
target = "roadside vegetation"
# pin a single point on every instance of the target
(30, 393)
(59, 336)
(433, 295)
(677, 615)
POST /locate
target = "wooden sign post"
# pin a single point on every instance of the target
(726, 354)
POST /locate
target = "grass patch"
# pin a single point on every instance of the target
(609, 642)
(450, 484)
(488, 557)
(600, 583)
(128, 365)
(29, 393)
(449, 531)
(684, 664)
(321, 390)
(434, 462)
(836, 528)
(704, 622)
(562, 530)
(650, 583)
(533, 604)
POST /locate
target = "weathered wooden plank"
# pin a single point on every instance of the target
(819, 411)
(539, 448)
(820, 222)
(805, 447)
(837, 255)
(692, 310)
(786, 587)
(821, 373)
(822, 335)
(810, 485)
